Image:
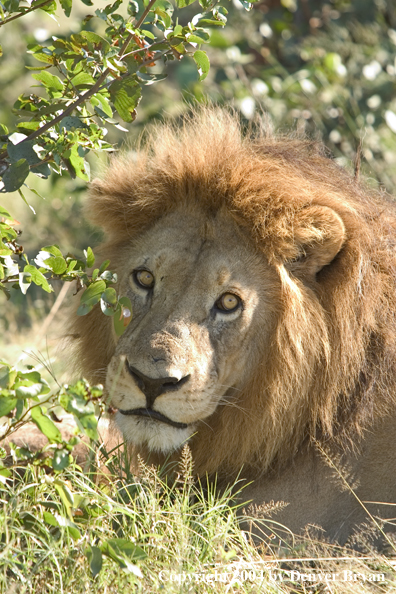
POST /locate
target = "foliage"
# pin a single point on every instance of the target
(85, 78)
(323, 68)
(25, 397)
(50, 264)
(65, 531)
(326, 68)
(121, 532)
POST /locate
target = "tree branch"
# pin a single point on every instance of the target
(94, 89)
(21, 14)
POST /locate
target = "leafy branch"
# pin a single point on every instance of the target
(86, 80)
(26, 11)
(97, 76)
(94, 89)
(50, 264)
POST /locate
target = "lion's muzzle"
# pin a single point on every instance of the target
(154, 387)
(153, 414)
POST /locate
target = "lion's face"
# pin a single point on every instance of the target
(197, 293)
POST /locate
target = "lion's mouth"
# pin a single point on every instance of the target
(153, 414)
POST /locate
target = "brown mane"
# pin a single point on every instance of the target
(330, 368)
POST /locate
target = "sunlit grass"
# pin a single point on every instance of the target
(112, 532)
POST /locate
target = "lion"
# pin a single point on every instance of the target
(262, 281)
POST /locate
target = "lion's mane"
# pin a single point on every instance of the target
(329, 369)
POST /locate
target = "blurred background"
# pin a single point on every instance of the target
(324, 67)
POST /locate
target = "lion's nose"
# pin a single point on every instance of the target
(153, 387)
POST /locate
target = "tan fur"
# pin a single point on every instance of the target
(319, 353)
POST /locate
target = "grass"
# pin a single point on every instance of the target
(110, 532)
(103, 530)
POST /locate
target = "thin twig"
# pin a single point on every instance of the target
(54, 310)
(144, 63)
(21, 14)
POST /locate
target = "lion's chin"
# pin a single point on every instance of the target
(155, 435)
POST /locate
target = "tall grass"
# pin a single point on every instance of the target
(109, 531)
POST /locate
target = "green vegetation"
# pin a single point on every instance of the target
(69, 96)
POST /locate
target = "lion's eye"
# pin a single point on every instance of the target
(144, 278)
(228, 302)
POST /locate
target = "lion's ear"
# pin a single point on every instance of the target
(319, 235)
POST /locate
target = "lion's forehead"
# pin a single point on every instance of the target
(191, 250)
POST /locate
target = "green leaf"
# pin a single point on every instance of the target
(95, 41)
(108, 302)
(65, 496)
(38, 278)
(23, 150)
(84, 309)
(73, 402)
(94, 556)
(125, 95)
(67, 6)
(183, 3)
(5, 252)
(92, 294)
(109, 277)
(50, 519)
(5, 473)
(4, 213)
(31, 376)
(148, 34)
(25, 279)
(50, 81)
(202, 61)
(28, 127)
(11, 5)
(123, 315)
(25, 201)
(103, 266)
(71, 123)
(15, 175)
(7, 404)
(61, 460)
(127, 548)
(57, 264)
(7, 376)
(120, 553)
(45, 425)
(89, 424)
(30, 391)
(50, 8)
(52, 249)
(89, 256)
(78, 162)
(104, 104)
(82, 80)
(71, 265)
(210, 23)
(195, 39)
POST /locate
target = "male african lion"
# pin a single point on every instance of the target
(262, 280)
